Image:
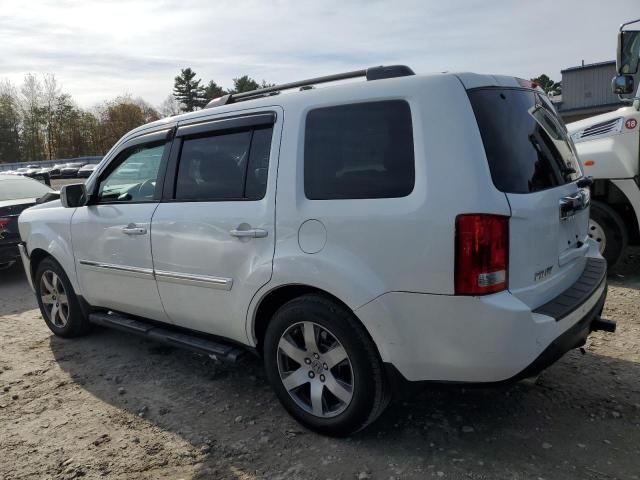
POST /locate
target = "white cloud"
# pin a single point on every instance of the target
(101, 49)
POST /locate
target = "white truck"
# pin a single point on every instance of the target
(609, 147)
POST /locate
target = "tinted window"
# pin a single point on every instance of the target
(135, 175)
(15, 188)
(224, 166)
(526, 144)
(258, 164)
(359, 151)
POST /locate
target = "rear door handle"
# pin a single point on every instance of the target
(250, 233)
(133, 229)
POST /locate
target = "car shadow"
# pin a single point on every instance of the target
(231, 414)
(15, 295)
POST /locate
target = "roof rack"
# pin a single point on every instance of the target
(372, 73)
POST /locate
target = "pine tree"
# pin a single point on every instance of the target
(213, 90)
(244, 84)
(188, 90)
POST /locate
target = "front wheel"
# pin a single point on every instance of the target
(607, 228)
(324, 367)
(58, 303)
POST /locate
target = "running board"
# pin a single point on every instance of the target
(189, 341)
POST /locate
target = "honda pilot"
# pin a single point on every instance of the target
(352, 234)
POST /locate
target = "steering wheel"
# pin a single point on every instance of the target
(147, 188)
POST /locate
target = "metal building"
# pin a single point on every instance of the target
(586, 91)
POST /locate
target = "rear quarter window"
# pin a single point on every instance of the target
(362, 150)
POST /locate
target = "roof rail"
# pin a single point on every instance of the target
(372, 73)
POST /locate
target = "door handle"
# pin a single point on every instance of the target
(250, 233)
(133, 229)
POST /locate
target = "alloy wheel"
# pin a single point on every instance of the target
(315, 369)
(54, 298)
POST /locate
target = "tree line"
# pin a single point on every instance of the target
(39, 121)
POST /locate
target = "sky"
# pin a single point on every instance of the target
(98, 49)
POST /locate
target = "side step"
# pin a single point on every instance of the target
(212, 348)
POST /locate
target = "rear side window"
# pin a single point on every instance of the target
(526, 144)
(362, 150)
(224, 166)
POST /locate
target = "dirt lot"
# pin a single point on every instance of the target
(114, 406)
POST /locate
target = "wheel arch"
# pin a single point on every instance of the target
(38, 254)
(623, 196)
(272, 300)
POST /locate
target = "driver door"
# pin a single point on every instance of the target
(111, 234)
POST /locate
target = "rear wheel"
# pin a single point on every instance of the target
(58, 302)
(607, 228)
(324, 367)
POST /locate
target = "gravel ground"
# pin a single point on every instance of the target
(114, 406)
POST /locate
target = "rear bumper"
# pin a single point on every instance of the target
(574, 337)
(494, 338)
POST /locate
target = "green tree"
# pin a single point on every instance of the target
(188, 90)
(244, 84)
(548, 85)
(213, 90)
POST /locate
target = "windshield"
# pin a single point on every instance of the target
(15, 188)
(526, 144)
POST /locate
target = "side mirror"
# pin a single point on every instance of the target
(622, 84)
(73, 196)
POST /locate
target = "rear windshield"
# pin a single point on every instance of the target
(526, 144)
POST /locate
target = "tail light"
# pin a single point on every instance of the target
(482, 254)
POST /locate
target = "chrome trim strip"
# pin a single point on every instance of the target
(122, 269)
(26, 263)
(219, 283)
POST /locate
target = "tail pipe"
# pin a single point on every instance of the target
(604, 325)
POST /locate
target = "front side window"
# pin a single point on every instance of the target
(135, 177)
(224, 166)
(362, 150)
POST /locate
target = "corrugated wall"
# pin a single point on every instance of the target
(588, 87)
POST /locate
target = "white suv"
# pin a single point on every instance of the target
(414, 227)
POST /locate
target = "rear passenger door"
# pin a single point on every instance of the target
(213, 235)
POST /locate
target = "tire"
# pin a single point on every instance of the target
(358, 380)
(607, 228)
(52, 285)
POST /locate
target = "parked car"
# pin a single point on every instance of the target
(70, 170)
(16, 194)
(86, 171)
(20, 171)
(32, 170)
(424, 228)
(53, 171)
